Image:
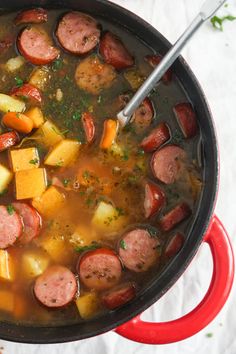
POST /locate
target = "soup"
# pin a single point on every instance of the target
(90, 212)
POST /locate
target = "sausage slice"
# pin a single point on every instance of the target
(114, 52)
(56, 287)
(88, 125)
(138, 250)
(99, 269)
(38, 15)
(174, 245)
(28, 91)
(8, 140)
(154, 60)
(35, 45)
(175, 216)
(154, 199)
(118, 297)
(186, 118)
(156, 138)
(143, 115)
(10, 226)
(78, 33)
(94, 76)
(166, 163)
(31, 221)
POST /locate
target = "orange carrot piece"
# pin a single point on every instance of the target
(110, 128)
(18, 121)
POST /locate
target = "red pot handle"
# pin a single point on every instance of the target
(215, 298)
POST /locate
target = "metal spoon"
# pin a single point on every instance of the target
(208, 9)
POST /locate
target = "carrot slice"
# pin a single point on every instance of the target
(110, 129)
(18, 121)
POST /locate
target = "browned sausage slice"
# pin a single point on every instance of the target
(8, 140)
(56, 287)
(29, 92)
(10, 226)
(138, 250)
(31, 221)
(166, 163)
(186, 118)
(114, 52)
(154, 60)
(174, 245)
(118, 297)
(31, 16)
(143, 115)
(154, 199)
(156, 138)
(78, 33)
(175, 216)
(94, 76)
(35, 45)
(99, 269)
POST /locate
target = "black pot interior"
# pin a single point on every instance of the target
(166, 279)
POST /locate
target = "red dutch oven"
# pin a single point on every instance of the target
(206, 227)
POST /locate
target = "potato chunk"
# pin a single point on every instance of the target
(36, 115)
(7, 267)
(40, 78)
(34, 263)
(49, 202)
(14, 64)
(107, 218)
(48, 134)
(30, 183)
(63, 153)
(56, 247)
(10, 104)
(88, 305)
(5, 178)
(24, 159)
(83, 236)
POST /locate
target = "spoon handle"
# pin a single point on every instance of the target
(207, 10)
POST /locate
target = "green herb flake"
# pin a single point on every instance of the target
(86, 174)
(152, 232)
(217, 22)
(99, 99)
(19, 81)
(89, 202)
(59, 163)
(209, 335)
(34, 161)
(125, 156)
(123, 245)
(140, 152)
(10, 209)
(91, 247)
(65, 182)
(57, 64)
(76, 115)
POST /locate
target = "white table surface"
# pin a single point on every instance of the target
(212, 56)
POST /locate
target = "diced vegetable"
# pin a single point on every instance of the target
(34, 263)
(56, 247)
(36, 115)
(18, 121)
(15, 64)
(110, 129)
(24, 159)
(108, 218)
(88, 305)
(7, 267)
(62, 154)
(134, 78)
(48, 134)
(10, 104)
(49, 201)
(5, 177)
(6, 300)
(83, 236)
(40, 78)
(116, 150)
(30, 183)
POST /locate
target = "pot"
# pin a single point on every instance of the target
(205, 228)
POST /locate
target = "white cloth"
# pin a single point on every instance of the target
(212, 56)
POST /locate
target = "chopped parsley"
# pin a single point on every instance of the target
(152, 232)
(34, 161)
(76, 115)
(65, 182)
(123, 245)
(91, 247)
(120, 211)
(57, 64)
(217, 22)
(209, 335)
(140, 152)
(59, 163)
(125, 156)
(10, 209)
(89, 202)
(19, 81)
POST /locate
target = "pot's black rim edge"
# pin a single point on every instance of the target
(191, 255)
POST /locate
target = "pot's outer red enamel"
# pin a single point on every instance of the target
(155, 289)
